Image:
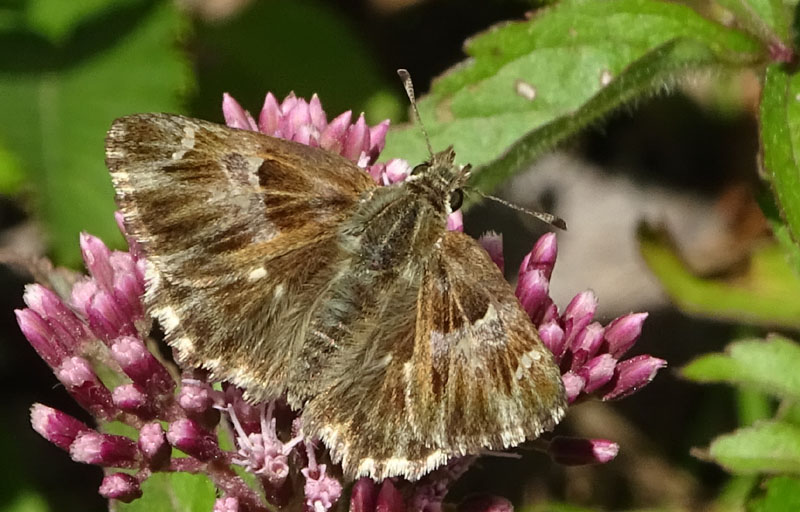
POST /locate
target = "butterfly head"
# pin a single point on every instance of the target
(446, 179)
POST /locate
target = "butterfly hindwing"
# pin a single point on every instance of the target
(467, 371)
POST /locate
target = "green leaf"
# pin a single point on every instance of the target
(780, 141)
(780, 231)
(770, 366)
(63, 98)
(544, 73)
(171, 492)
(765, 19)
(735, 494)
(767, 294)
(769, 447)
(783, 494)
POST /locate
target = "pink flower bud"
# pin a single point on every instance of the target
(80, 380)
(396, 170)
(141, 366)
(542, 256)
(132, 399)
(187, 436)
(586, 344)
(357, 140)
(389, 498)
(96, 257)
(59, 428)
(455, 221)
(226, 504)
(598, 372)
(553, 338)
(363, 495)
(377, 139)
(623, 332)
(573, 451)
(41, 337)
(270, 116)
(103, 449)
(532, 291)
(120, 486)
(579, 314)
(235, 116)
(334, 135)
(573, 384)
(318, 118)
(68, 329)
(633, 374)
(153, 445)
(492, 243)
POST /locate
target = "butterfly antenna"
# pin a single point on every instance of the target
(405, 76)
(544, 217)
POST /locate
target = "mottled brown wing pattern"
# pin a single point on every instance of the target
(233, 224)
(467, 371)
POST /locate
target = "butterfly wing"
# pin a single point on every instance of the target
(235, 226)
(465, 371)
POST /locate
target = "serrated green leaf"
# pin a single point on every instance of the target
(58, 102)
(783, 495)
(780, 141)
(768, 365)
(769, 447)
(171, 492)
(525, 75)
(767, 294)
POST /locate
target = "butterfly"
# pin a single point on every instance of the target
(285, 270)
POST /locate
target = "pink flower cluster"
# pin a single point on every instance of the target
(101, 329)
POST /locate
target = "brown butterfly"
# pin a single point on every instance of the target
(287, 271)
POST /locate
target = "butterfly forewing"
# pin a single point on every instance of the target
(236, 226)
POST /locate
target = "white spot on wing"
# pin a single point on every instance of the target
(256, 274)
(188, 137)
(168, 318)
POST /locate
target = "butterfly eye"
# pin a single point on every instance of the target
(419, 169)
(456, 198)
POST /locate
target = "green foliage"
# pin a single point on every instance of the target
(768, 293)
(780, 137)
(783, 494)
(63, 96)
(770, 366)
(171, 492)
(554, 74)
(767, 447)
